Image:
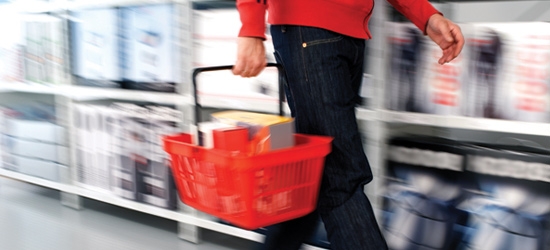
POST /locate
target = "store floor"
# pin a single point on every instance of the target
(32, 218)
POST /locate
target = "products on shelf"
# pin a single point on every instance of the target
(31, 143)
(509, 71)
(149, 54)
(120, 151)
(417, 83)
(44, 48)
(501, 73)
(497, 199)
(129, 47)
(95, 47)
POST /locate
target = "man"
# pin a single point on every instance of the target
(321, 45)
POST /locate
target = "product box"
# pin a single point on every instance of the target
(83, 153)
(206, 132)
(406, 53)
(35, 167)
(266, 132)
(36, 130)
(92, 142)
(95, 47)
(159, 181)
(417, 82)
(509, 71)
(44, 59)
(134, 150)
(35, 149)
(233, 139)
(148, 53)
(423, 186)
(510, 208)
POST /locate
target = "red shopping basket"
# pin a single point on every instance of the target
(249, 191)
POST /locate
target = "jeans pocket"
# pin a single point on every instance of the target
(315, 36)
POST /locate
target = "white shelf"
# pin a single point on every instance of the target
(34, 6)
(79, 93)
(29, 87)
(458, 122)
(366, 114)
(86, 4)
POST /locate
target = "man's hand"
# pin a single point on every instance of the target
(447, 35)
(250, 57)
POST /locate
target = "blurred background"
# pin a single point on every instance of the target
(460, 151)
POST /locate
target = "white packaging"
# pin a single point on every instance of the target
(133, 150)
(510, 69)
(35, 149)
(417, 82)
(36, 130)
(95, 44)
(39, 168)
(148, 44)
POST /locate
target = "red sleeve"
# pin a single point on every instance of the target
(417, 11)
(252, 13)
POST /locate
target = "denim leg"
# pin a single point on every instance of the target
(324, 71)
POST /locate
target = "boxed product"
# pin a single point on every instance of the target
(44, 49)
(510, 208)
(423, 187)
(417, 82)
(36, 150)
(266, 132)
(35, 130)
(95, 47)
(160, 186)
(35, 167)
(148, 59)
(133, 150)
(509, 71)
(93, 146)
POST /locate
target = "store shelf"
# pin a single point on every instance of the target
(367, 114)
(458, 122)
(79, 93)
(86, 4)
(29, 87)
(34, 6)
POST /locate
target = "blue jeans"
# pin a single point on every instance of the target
(324, 71)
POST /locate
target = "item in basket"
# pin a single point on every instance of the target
(231, 139)
(206, 130)
(266, 132)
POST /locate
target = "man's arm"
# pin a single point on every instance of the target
(251, 51)
(441, 30)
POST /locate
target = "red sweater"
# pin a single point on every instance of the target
(348, 17)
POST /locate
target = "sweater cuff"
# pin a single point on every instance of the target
(422, 16)
(253, 19)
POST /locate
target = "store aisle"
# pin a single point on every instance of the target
(32, 218)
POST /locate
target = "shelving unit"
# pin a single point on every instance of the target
(377, 118)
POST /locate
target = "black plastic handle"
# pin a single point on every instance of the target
(197, 71)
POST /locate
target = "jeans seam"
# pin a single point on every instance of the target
(302, 53)
(323, 41)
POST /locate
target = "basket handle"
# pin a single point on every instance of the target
(197, 71)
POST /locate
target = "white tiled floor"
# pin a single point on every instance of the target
(32, 218)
